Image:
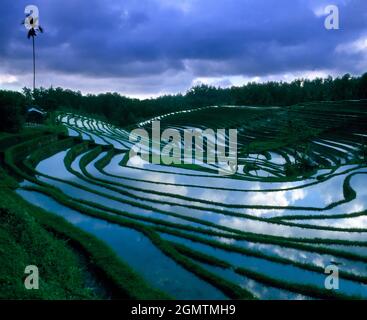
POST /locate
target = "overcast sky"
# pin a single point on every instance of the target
(145, 48)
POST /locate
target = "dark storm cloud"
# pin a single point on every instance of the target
(197, 38)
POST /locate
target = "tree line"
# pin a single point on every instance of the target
(124, 111)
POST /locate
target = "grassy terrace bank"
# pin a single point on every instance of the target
(67, 257)
(25, 242)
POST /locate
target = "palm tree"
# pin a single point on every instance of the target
(33, 29)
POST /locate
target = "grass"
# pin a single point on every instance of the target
(24, 242)
(27, 237)
(30, 235)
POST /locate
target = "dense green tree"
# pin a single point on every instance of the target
(125, 111)
(12, 110)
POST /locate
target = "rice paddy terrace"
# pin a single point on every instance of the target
(296, 204)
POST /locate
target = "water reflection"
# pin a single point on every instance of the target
(136, 250)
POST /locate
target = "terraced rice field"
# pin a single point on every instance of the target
(193, 234)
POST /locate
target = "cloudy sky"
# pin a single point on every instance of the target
(145, 48)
